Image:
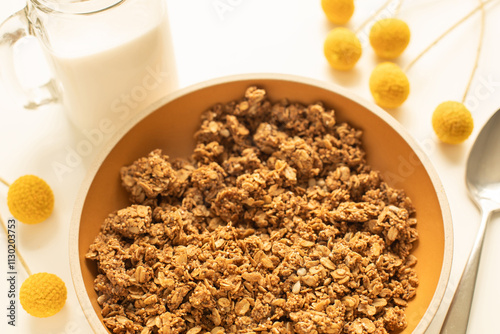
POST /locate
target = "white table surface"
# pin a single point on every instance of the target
(280, 36)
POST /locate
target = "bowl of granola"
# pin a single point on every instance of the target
(261, 204)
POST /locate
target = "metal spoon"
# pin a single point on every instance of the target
(483, 183)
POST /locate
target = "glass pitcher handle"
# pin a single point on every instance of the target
(12, 30)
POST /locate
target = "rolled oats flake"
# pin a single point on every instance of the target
(296, 287)
(301, 271)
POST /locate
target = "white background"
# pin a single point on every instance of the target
(280, 36)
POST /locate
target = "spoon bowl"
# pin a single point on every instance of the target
(483, 165)
(483, 183)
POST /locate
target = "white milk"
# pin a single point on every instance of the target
(108, 78)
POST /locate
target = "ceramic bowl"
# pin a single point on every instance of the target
(170, 124)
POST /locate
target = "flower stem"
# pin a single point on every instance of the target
(478, 52)
(396, 12)
(462, 20)
(368, 20)
(4, 182)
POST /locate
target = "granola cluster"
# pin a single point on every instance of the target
(275, 224)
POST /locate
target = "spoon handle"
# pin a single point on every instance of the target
(457, 317)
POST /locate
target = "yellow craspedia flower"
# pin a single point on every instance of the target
(43, 295)
(30, 199)
(342, 49)
(452, 122)
(338, 11)
(389, 37)
(389, 85)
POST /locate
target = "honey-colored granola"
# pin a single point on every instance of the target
(275, 225)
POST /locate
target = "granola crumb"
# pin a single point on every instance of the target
(276, 224)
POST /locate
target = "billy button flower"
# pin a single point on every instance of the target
(389, 85)
(342, 49)
(30, 199)
(43, 295)
(452, 122)
(338, 11)
(389, 37)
